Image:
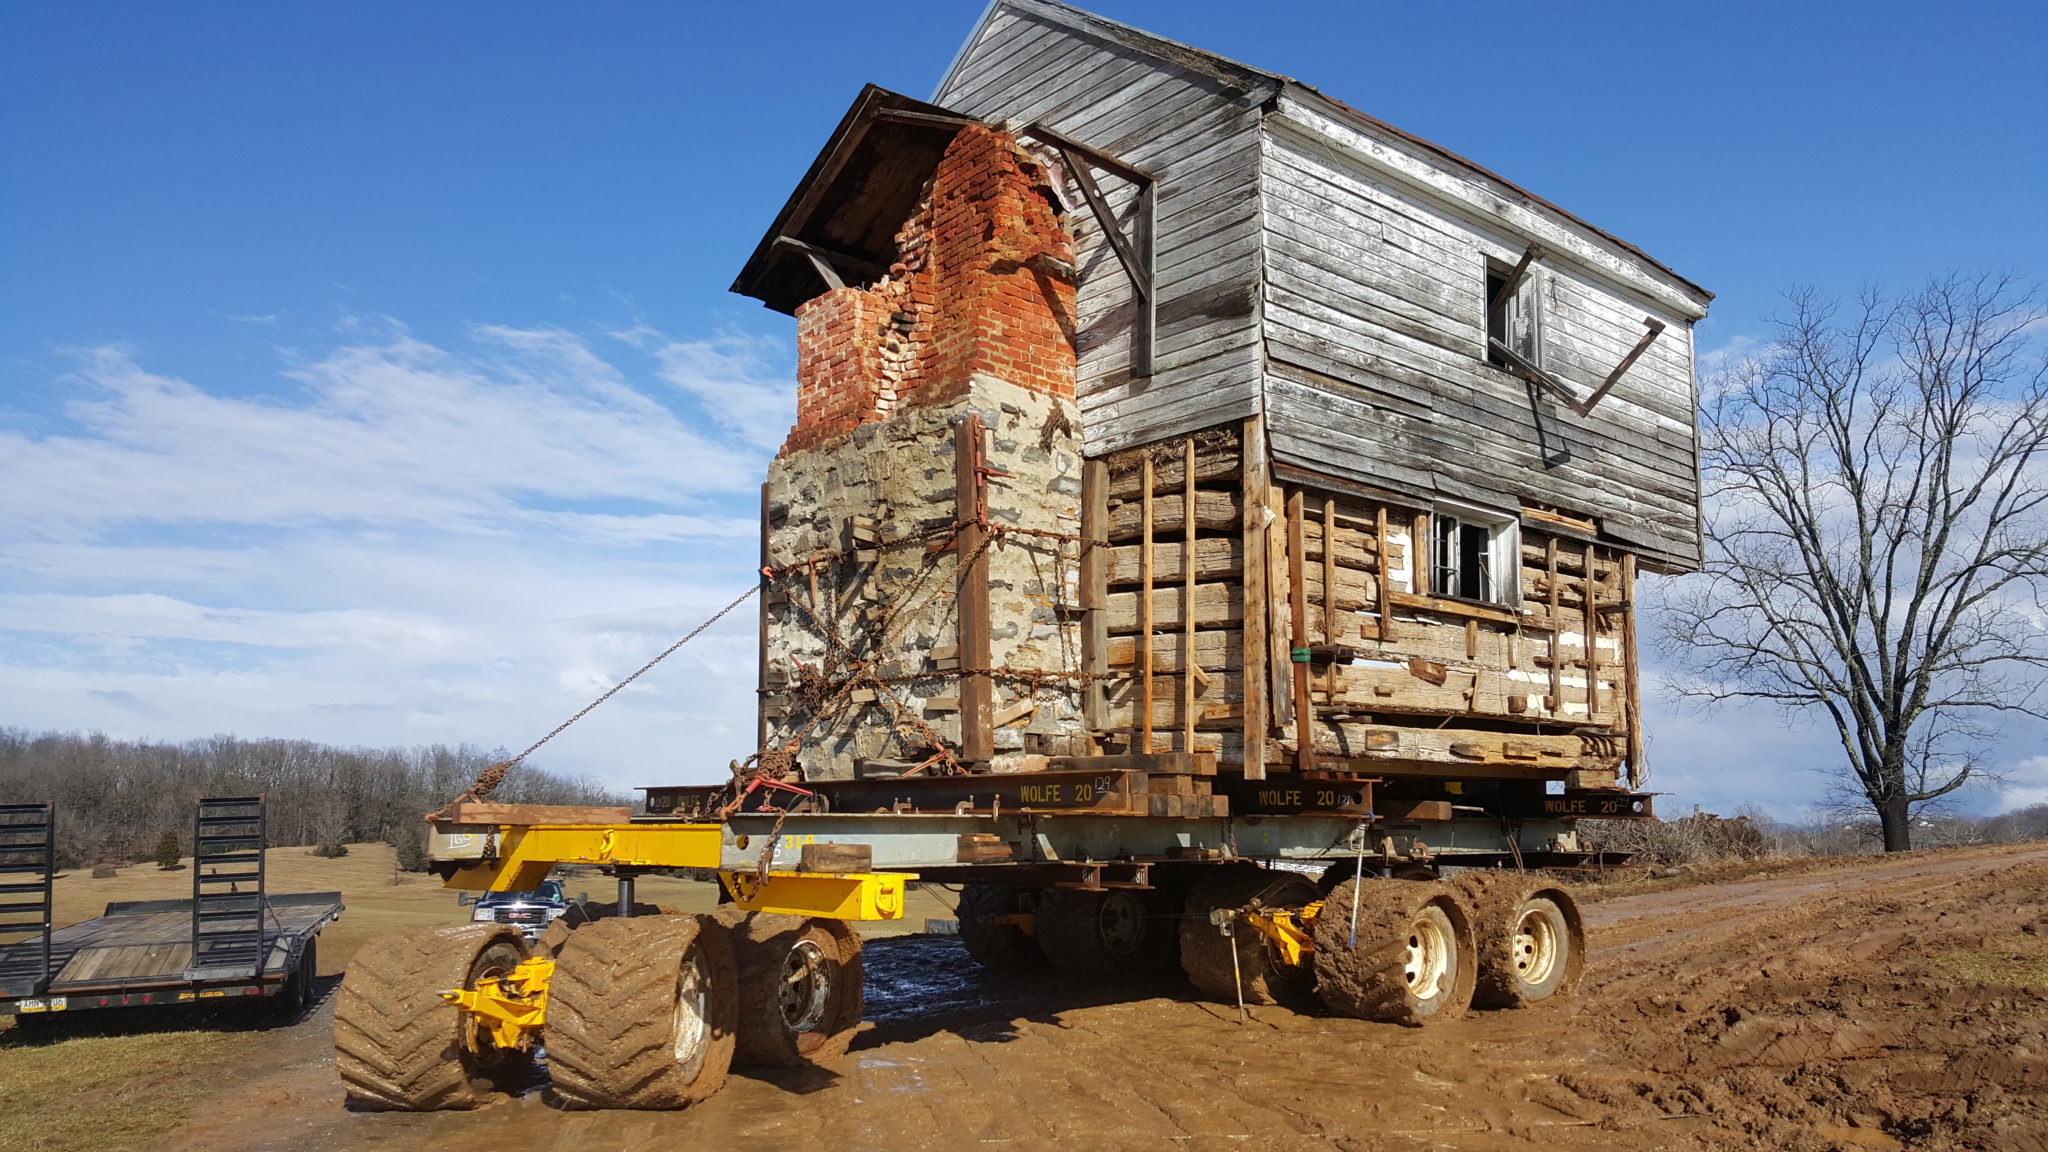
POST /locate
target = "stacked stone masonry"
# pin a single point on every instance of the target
(862, 662)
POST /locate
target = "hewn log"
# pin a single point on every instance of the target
(1215, 511)
(1213, 462)
(1216, 606)
(1216, 558)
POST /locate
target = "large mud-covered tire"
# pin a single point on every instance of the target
(398, 1045)
(1124, 930)
(1413, 962)
(642, 1013)
(993, 944)
(1205, 952)
(1531, 940)
(552, 937)
(801, 992)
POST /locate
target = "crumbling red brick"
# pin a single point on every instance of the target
(983, 285)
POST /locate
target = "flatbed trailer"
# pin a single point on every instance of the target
(230, 940)
(139, 953)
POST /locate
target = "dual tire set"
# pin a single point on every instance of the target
(649, 1011)
(1410, 951)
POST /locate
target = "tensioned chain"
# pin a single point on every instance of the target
(488, 781)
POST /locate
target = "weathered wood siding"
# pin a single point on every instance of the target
(1193, 124)
(1375, 324)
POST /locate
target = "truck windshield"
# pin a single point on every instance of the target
(550, 892)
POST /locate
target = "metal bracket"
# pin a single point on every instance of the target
(1562, 390)
(1134, 252)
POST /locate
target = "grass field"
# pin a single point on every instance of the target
(115, 1079)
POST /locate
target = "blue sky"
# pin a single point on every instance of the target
(367, 372)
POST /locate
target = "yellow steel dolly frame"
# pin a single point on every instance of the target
(644, 1009)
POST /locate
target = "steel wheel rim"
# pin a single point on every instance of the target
(806, 988)
(1537, 945)
(693, 1015)
(1122, 922)
(1428, 960)
(493, 963)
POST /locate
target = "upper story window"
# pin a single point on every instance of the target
(1475, 555)
(1513, 317)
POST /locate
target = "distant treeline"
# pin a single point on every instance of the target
(116, 798)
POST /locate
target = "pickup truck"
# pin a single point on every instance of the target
(530, 912)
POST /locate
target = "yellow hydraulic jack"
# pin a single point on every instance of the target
(508, 1009)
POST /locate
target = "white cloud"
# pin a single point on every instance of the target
(403, 543)
(2024, 784)
(398, 432)
(720, 374)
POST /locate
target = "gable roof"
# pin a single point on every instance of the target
(1231, 71)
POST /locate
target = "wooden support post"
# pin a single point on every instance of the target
(977, 687)
(761, 653)
(1252, 534)
(1386, 566)
(1632, 686)
(1418, 555)
(1095, 594)
(1188, 671)
(1329, 604)
(1297, 603)
(1280, 683)
(1589, 589)
(1143, 739)
(1556, 643)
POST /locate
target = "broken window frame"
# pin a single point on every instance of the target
(1451, 570)
(1511, 312)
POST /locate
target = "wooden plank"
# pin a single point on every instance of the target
(1327, 594)
(1592, 633)
(1632, 687)
(1556, 702)
(1218, 605)
(1214, 709)
(1094, 591)
(1386, 607)
(1252, 650)
(977, 687)
(1279, 635)
(1219, 653)
(1215, 511)
(1216, 558)
(1187, 619)
(1448, 751)
(1215, 462)
(1143, 740)
(1297, 602)
(478, 812)
(1421, 554)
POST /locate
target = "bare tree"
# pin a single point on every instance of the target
(1877, 532)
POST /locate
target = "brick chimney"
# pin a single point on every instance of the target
(983, 287)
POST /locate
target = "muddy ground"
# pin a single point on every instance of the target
(1889, 1003)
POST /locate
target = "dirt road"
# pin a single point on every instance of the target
(1895, 1003)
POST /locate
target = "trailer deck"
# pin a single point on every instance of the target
(140, 952)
